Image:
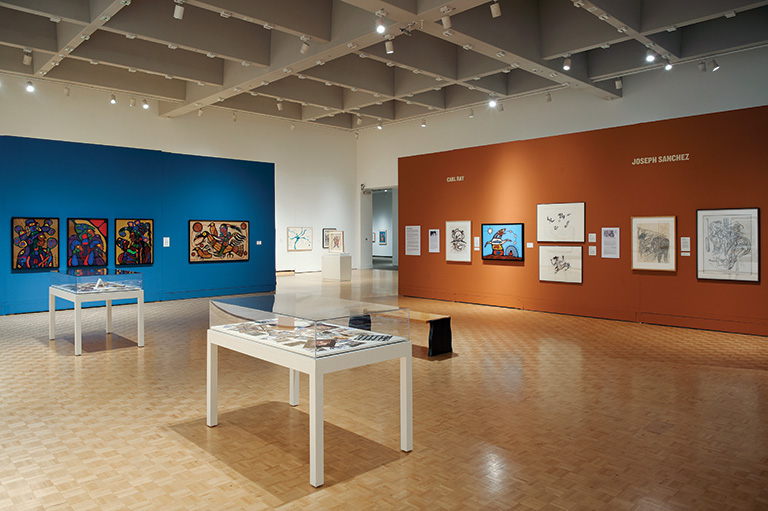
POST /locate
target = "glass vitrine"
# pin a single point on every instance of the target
(96, 280)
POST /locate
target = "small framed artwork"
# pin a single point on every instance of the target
(502, 242)
(326, 239)
(34, 243)
(560, 264)
(383, 237)
(87, 242)
(299, 239)
(560, 222)
(457, 241)
(212, 241)
(653, 243)
(134, 241)
(611, 244)
(728, 244)
(336, 240)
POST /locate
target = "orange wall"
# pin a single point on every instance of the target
(728, 168)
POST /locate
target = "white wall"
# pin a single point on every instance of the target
(314, 167)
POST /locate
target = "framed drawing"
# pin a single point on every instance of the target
(728, 244)
(560, 222)
(653, 243)
(457, 241)
(134, 241)
(502, 242)
(560, 264)
(299, 239)
(383, 237)
(212, 241)
(34, 243)
(326, 240)
(336, 239)
(87, 241)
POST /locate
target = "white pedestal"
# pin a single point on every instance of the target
(337, 267)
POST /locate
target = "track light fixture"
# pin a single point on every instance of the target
(650, 56)
(304, 45)
(549, 97)
(619, 83)
(495, 9)
(144, 104)
(66, 92)
(471, 113)
(30, 86)
(132, 103)
(713, 65)
(567, 64)
(492, 103)
(234, 116)
(178, 10)
(668, 66)
(112, 99)
(27, 58)
(389, 46)
(359, 120)
(380, 28)
(423, 123)
(702, 67)
(379, 126)
(280, 105)
(446, 21)
(199, 112)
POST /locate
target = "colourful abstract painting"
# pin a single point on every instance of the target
(134, 241)
(503, 242)
(87, 241)
(216, 241)
(34, 243)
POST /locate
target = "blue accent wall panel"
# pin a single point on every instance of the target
(43, 178)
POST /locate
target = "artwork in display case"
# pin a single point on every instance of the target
(87, 242)
(560, 264)
(502, 242)
(653, 243)
(336, 239)
(383, 237)
(212, 241)
(560, 222)
(34, 243)
(134, 241)
(326, 236)
(457, 241)
(299, 239)
(728, 244)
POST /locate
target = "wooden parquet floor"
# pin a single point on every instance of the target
(532, 411)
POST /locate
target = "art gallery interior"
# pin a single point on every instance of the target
(626, 388)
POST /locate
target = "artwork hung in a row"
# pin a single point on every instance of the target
(300, 239)
(653, 243)
(502, 242)
(87, 242)
(457, 241)
(336, 242)
(134, 240)
(560, 263)
(728, 245)
(34, 243)
(560, 222)
(218, 241)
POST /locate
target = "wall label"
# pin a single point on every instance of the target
(454, 179)
(667, 158)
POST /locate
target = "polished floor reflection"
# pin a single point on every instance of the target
(532, 411)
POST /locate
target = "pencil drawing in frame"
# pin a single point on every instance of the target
(458, 241)
(560, 263)
(653, 243)
(728, 244)
(560, 222)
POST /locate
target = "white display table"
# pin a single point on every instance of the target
(337, 267)
(298, 357)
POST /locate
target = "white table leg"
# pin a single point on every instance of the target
(406, 404)
(316, 469)
(78, 329)
(213, 384)
(293, 395)
(109, 316)
(51, 316)
(140, 303)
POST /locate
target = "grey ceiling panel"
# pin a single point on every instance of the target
(71, 10)
(743, 30)
(407, 82)
(457, 96)
(353, 71)
(19, 28)
(421, 51)
(660, 14)
(519, 82)
(567, 30)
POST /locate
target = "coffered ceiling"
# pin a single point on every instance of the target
(323, 62)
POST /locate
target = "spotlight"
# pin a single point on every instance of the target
(549, 97)
(359, 120)
(619, 83)
(378, 126)
(702, 67)
(66, 92)
(650, 56)
(112, 99)
(423, 123)
(144, 104)
(380, 28)
(132, 102)
(668, 66)
(567, 64)
(27, 59)
(178, 10)
(30, 86)
(234, 116)
(713, 65)
(304, 45)
(389, 46)
(280, 105)
(199, 112)
(495, 10)
(492, 103)
(471, 113)
(446, 21)
(500, 107)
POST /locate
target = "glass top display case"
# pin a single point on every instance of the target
(315, 326)
(96, 280)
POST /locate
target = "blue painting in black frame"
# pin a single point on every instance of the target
(503, 242)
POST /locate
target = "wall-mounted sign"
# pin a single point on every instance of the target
(454, 179)
(667, 158)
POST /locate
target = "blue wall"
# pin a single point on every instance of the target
(42, 178)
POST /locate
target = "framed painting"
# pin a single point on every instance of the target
(502, 242)
(336, 239)
(728, 244)
(299, 239)
(653, 243)
(212, 241)
(560, 222)
(383, 237)
(560, 264)
(457, 241)
(326, 236)
(87, 242)
(134, 241)
(34, 243)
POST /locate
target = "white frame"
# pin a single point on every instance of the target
(574, 258)
(641, 263)
(747, 271)
(306, 245)
(465, 255)
(549, 228)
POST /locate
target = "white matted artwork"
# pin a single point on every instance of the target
(653, 243)
(610, 246)
(457, 241)
(336, 242)
(299, 239)
(560, 264)
(326, 241)
(560, 222)
(728, 244)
